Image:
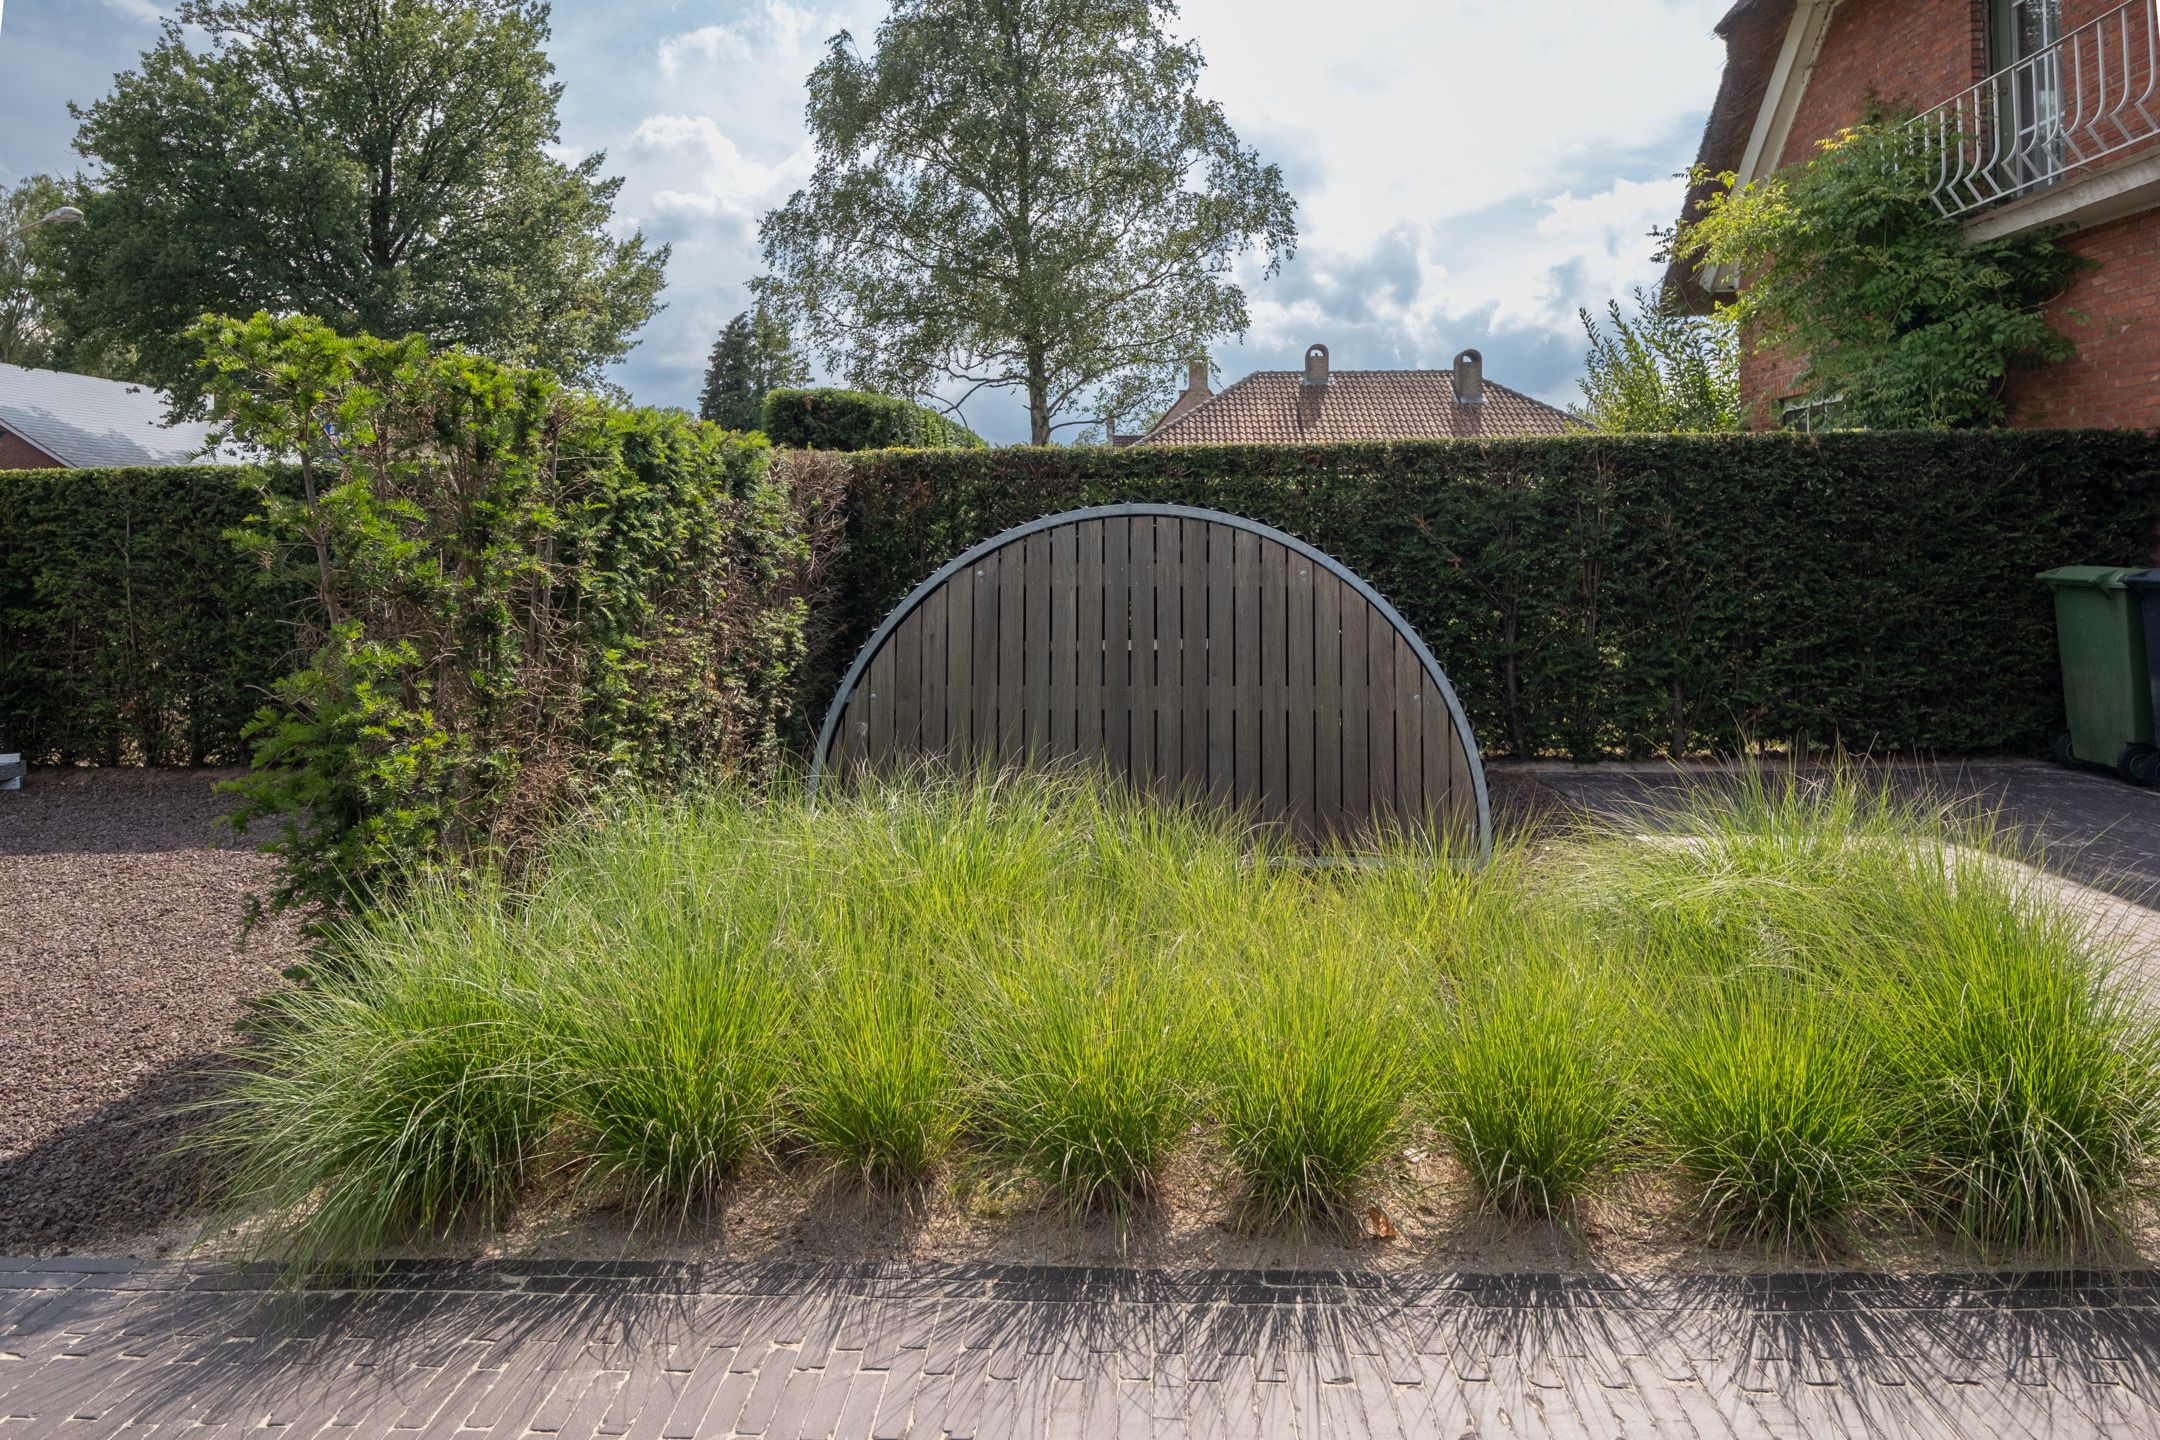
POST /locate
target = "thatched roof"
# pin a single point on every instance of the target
(1753, 32)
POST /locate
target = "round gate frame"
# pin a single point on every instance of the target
(999, 541)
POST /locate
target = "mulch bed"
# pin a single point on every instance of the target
(122, 975)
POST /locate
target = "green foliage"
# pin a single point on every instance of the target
(1847, 263)
(25, 333)
(1796, 1001)
(1615, 595)
(385, 167)
(1661, 372)
(855, 420)
(754, 356)
(1531, 1079)
(1026, 195)
(129, 628)
(518, 597)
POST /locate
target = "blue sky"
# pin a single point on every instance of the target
(1467, 173)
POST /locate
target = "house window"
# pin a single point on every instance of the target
(1798, 412)
(2028, 91)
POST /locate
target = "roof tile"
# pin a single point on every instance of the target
(1277, 407)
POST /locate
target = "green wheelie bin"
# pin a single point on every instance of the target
(2107, 688)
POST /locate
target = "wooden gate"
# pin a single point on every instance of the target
(1196, 651)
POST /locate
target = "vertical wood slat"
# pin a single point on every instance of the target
(1091, 600)
(1327, 710)
(1061, 648)
(1012, 635)
(1193, 655)
(1221, 699)
(1300, 778)
(1117, 644)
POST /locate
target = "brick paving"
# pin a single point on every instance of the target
(657, 1350)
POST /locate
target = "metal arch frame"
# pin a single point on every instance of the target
(999, 541)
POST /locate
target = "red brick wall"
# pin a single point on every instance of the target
(17, 453)
(1918, 53)
(2113, 315)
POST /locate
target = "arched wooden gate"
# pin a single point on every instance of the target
(1193, 650)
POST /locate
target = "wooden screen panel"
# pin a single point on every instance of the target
(1194, 652)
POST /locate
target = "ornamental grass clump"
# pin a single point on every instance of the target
(872, 1089)
(1926, 1027)
(664, 994)
(1531, 1067)
(1080, 1054)
(1773, 1110)
(1312, 1065)
(394, 1096)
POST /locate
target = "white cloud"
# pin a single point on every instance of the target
(1467, 173)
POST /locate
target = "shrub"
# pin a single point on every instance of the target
(859, 420)
(518, 598)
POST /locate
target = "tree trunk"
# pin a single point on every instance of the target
(1038, 391)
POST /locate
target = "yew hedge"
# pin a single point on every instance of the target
(1626, 595)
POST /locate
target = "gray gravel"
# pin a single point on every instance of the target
(122, 975)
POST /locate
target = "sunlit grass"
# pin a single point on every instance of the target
(1810, 1005)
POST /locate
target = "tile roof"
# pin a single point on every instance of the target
(1277, 407)
(83, 421)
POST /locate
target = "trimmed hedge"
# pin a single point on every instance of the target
(859, 420)
(1627, 596)
(130, 627)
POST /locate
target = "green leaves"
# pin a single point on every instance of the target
(1025, 195)
(1661, 372)
(519, 597)
(1846, 263)
(384, 166)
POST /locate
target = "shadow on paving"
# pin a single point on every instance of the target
(492, 1345)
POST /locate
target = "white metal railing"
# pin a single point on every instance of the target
(2027, 126)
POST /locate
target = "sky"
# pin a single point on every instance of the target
(1467, 173)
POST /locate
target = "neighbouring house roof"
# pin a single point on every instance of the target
(1277, 407)
(1754, 33)
(83, 421)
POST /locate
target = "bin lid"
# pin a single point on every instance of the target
(2086, 577)
(2143, 580)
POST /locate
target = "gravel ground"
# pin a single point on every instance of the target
(121, 977)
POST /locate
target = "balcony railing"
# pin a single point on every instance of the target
(2086, 97)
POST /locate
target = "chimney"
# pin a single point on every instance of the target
(1316, 365)
(1469, 378)
(1196, 379)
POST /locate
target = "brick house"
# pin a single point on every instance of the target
(2041, 114)
(51, 418)
(1293, 407)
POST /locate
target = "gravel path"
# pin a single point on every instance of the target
(121, 977)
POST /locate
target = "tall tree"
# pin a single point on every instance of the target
(754, 356)
(385, 165)
(25, 331)
(1660, 371)
(1023, 195)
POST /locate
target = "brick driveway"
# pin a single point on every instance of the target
(657, 1350)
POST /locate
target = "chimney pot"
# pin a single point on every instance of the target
(1316, 365)
(1469, 378)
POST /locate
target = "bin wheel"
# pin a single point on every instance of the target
(2060, 752)
(2140, 765)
